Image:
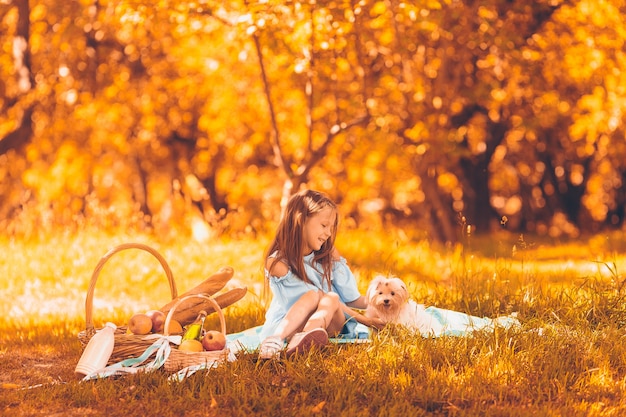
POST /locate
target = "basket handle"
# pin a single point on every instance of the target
(94, 276)
(216, 306)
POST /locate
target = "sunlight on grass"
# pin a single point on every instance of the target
(51, 278)
(569, 356)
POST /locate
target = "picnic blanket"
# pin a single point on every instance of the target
(249, 340)
(454, 323)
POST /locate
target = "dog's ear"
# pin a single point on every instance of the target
(374, 286)
(406, 292)
(402, 286)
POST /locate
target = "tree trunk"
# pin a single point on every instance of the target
(140, 192)
(440, 215)
(23, 132)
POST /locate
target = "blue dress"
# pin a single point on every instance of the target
(288, 289)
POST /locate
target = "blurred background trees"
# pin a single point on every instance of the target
(426, 115)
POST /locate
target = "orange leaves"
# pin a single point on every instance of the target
(318, 408)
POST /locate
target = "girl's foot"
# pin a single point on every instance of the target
(301, 342)
(271, 347)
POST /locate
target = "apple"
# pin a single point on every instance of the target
(213, 340)
(158, 320)
(140, 324)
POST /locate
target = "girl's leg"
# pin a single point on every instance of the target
(293, 322)
(298, 314)
(328, 315)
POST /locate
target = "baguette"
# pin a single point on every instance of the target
(187, 312)
(209, 286)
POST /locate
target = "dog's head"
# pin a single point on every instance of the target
(387, 295)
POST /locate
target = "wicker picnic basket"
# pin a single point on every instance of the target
(179, 359)
(126, 345)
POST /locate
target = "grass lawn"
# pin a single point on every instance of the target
(568, 357)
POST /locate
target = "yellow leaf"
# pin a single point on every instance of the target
(379, 8)
(319, 407)
(38, 12)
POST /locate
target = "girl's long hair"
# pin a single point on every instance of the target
(288, 246)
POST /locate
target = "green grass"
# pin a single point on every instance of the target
(569, 357)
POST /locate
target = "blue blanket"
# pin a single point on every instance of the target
(249, 340)
(455, 323)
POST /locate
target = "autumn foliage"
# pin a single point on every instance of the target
(421, 114)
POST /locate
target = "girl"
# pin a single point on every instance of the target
(312, 286)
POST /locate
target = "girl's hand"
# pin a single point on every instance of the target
(335, 255)
(376, 323)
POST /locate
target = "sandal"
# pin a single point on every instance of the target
(304, 341)
(271, 347)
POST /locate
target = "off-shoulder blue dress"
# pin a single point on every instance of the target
(286, 290)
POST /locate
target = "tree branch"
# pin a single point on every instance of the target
(275, 137)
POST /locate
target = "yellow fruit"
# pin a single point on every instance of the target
(140, 324)
(191, 345)
(175, 327)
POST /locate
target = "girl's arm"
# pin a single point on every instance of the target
(362, 318)
(360, 303)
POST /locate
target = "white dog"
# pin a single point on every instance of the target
(388, 299)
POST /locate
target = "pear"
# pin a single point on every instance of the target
(191, 345)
